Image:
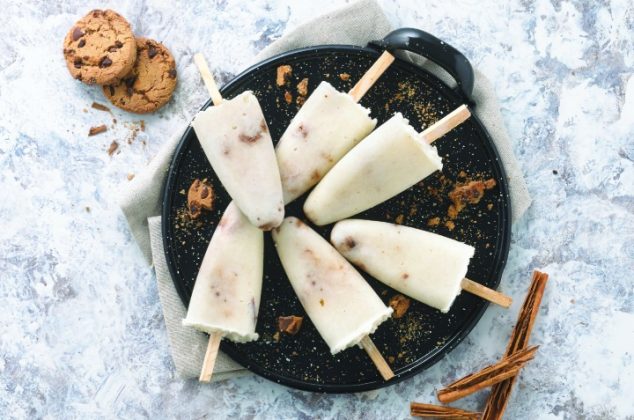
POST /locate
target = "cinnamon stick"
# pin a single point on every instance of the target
(441, 412)
(496, 403)
(490, 375)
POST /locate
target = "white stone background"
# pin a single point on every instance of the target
(81, 328)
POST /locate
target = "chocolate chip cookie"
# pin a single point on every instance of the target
(100, 48)
(150, 84)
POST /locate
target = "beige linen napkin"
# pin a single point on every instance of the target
(355, 24)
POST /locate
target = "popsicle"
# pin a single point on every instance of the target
(425, 266)
(226, 295)
(236, 140)
(391, 159)
(338, 300)
(326, 127)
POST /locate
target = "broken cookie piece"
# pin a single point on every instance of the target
(400, 304)
(469, 193)
(289, 324)
(284, 73)
(200, 196)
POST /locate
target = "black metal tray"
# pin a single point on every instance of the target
(423, 335)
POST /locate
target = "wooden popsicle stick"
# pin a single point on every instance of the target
(213, 345)
(446, 124)
(371, 76)
(377, 358)
(486, 293)
(208, 78)
(210, 357)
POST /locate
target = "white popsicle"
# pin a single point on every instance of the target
(390, 160)
(338, 300)
(226, 295)
(423, 265)
(326, 127)
(236, 140)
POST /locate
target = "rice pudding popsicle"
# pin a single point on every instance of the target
(226, 295)
(236, 140)
(327, 126)
(338, 300)
(422, 265)
(391, 159)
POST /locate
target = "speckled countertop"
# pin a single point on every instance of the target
(81, 329)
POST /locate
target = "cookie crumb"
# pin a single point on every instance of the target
(433, 222)
(288, 97)
(276, 337)
(97, 130)
(284, 73)
(113, 147)
(302, 87)
(399, 219)
(100, 107)
(289, 324)
(450, 225)
(400, 305)
(130, 177)
(344, 76)
(469, 193)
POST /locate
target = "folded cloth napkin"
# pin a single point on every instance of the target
(355, 24)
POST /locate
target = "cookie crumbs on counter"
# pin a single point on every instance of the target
(384, 293)
(100, 107)
(450, 225)
(284, 73)
(113, 147)
(182, 192)
(300, 100)
(400, 305)
(130, 177)
(302, 87)
(391, 359)
(344, 76)
(289, 324)
(399, 219)
(288, 97)
(276, 337)
(97, 130)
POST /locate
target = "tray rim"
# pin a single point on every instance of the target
(403, 373)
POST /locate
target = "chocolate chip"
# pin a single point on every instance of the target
(172, 73)
(204, 193)
(112, 49)
(151, 51)
(105, 62)
(129, 81)
(77, 63)
(118, 44)
(81, 43)
(111, 88)
(77, 33)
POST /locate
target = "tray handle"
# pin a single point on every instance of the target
(422, 43)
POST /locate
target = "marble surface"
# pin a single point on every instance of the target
(81, 329)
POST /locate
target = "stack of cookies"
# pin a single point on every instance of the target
(136, 74)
